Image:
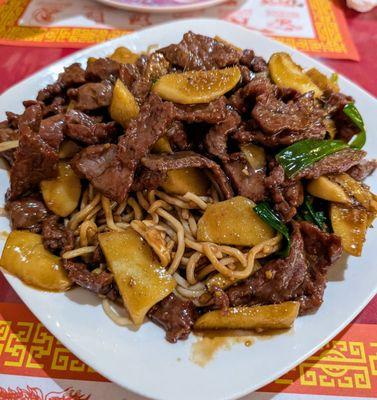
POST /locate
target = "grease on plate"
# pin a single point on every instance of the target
(209, 343)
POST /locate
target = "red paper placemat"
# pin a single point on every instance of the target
(315, 26)
(345, 367)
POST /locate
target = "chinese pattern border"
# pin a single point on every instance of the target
(332, 40)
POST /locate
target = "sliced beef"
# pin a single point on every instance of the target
(300, 277)
(211, 113)
(101, 283)
(56, 237)
(335, 163)
(12, 119)
(72, 76)
(27, 213)
(247, 57)
(286, 194)
(50, 91)
(111, 168)
(363, 169)
(244, 98)
(83, 128)
(258, 64)
(35, 159)
(153, 66)
(321, 250)
(255, 63)
(148, 180)
(92, 96)
(135, 82)
(8, 134)
(220, 299)
(101, 166)
(217, 137)
(287, 275)
(102, 69)
(285, 123)
(57, 106)
(246, 181)
(52, 130)
(140, 76)
(177, 136)
(345, 128)
(174, 315)
(31, 117)
(246, 75)
(128, 74)
(198, 52)
(98, 256)
(243, 135)
(189, 159)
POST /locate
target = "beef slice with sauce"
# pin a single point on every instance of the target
(301, 276)
(198, 52)
(111, 168)
(35, 159)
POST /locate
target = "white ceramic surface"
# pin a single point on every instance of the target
(161, 6)
(143, 361)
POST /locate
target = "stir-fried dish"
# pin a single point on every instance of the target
(197, 185)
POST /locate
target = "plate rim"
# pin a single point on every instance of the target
(71, 345)
(162, 9)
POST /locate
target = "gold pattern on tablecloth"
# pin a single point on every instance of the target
(346, 366)
(332, 36)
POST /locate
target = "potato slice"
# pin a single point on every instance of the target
(124, 56)
(181, 181)
(141, 280)
(286, 74)
(62, 194)
(274, 316)
(197, 86)
(255, 156)
(357, 190)
(326, 189)
(25, 257)
(322, 81)
(123, 105)
(350, 224)
(68, 149)
(162, 146)
(233, 222)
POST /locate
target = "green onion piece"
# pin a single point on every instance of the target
(353, 114)
(264, 211)
(311, 215)
(301, 155)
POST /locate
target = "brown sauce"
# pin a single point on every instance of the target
(209, 343)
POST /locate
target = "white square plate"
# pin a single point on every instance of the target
(143, 361)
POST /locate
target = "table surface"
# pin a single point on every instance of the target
(19, 62)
